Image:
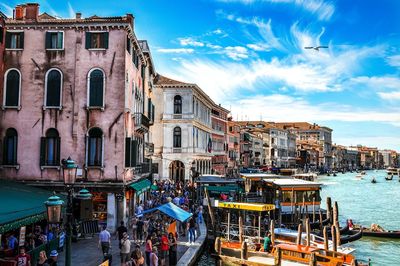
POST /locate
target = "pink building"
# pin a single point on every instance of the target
(233, 138)
(80, 88)
(219, 121)
(2, 44)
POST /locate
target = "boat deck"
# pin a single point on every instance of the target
(270, 261)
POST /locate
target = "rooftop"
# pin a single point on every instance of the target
(292, 182)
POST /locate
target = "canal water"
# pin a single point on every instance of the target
(365, 203)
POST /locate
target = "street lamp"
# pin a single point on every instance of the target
(69, 169)
(53, 206)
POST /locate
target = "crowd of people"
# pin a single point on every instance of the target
(10, 246)
(154, 233)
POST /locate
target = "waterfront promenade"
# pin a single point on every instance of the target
(92, 255)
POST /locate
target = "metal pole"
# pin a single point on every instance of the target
(69, 229)
(229, 225)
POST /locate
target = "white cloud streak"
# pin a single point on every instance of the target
(394, 60)
(71, 12)
(324, 10)
(8, 10)
(190, 42)
(175, 50)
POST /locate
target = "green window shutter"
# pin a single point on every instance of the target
(21, 34)
(128, 142)
(88, 40)
(8, 39)
(48, 40)
(105, 40)
(42, 151)
(134, 153)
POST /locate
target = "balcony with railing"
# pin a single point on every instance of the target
(142, 123)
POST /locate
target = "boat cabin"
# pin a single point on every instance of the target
(253, 185)
(292, 196)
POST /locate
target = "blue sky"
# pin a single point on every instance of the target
(249, 56)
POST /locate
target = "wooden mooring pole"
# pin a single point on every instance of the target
(326, 243)
(299, 231)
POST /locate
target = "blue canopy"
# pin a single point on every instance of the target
(172, 211)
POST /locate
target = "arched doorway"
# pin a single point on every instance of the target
(177, 171)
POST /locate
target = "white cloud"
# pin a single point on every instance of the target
(218, 31)
(236, 52)
(394, 60)
(259, 47)
(8, 10)
(279, 107)
(378, 83)
(390, 96)
(175, 50)
(324, 10)
(71, 11)
(188, 41)
(213, 46)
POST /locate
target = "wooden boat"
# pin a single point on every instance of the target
(287, 254)
(355, 235)
(373, 181)
(359, 176)
(382, 234)
(317, 225)
(363, 172)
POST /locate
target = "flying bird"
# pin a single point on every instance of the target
(316, 48)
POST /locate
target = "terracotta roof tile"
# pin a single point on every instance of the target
(162, 80)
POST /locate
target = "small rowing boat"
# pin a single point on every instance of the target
(377, 231)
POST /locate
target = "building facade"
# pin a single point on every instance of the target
(182, 131)
(219, 124)
(75, 88)
(233, 139)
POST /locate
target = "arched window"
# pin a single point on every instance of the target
(96, 81)
(177, 137)
(12, 88)
(95, 147)
(50, 148)
(177, 104)
(10, 147)
(53, 90)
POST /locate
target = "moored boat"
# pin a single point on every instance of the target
(378, 231)
(389, 177)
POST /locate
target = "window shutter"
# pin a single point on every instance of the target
(58, 151)
(21, 35)
(105, 40)
(15, 158)
(128, 44)
(134, 153)
(42, 151)
(1, 34)
(152, 112)
(8, 39)
(48, 40)
(128, 152)
(149, 108)
(88, 40)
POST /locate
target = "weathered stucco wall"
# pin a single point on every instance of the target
(74, 120)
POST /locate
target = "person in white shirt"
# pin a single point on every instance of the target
(104, 240)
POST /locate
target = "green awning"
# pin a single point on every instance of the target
(21, 205)
(141, 186)
(154, 187)
(223, 189)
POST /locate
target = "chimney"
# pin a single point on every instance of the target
(78, 15)
(19, 12)
(32, 11)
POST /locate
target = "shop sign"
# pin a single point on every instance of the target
(22, 232)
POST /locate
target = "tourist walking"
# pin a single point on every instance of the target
(164, 249)
(120, 232)
(137, 257)
(154, 257)
(104, 240)
(192, 230)
(52, 261)
(139, 230)
(134, 227)
(173, 245)
(125, 249)
(148, 249)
